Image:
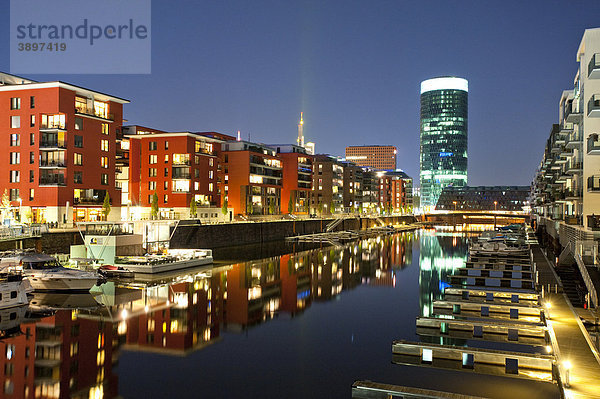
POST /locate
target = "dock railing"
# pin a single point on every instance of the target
(586, 250)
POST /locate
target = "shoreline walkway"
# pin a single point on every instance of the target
(573, 345)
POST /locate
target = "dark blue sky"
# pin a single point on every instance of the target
(354, 68)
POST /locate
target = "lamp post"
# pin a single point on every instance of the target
(454, 202)
(495, 210)
(20, 209)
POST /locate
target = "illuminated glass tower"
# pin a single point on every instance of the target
(444, 111)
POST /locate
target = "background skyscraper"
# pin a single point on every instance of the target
(444, 119)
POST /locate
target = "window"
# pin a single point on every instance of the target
(104, 162)
(104, 179)
(78, 123)
(210, 174)
(15, 121)
(196, 172)
(150, 199)
(152, 172)
(105, 128)
(166, 198)
(14, 194)
(211, 162)
(31, 176)
(15, 176)
(226, 159)
(197, 159)
(152, 185)
(166, 185)
(77, 159)
(104, 145)
(166, 172)
(152, 146)
(31, 138)
(78, 177)
(31, 194)
(78, 141)
(166, 145)
(152, 159)
(15, 103)
(32, 102)
(31, 157)
(31, 120)
(210, 187)
(167, 158)
(15, 140)
(197, 186)
(15, 158)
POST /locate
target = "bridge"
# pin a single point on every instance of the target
(453, 218)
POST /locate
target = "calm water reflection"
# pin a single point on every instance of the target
(297, 325)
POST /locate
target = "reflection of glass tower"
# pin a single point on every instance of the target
(444, 112)
(440, 254)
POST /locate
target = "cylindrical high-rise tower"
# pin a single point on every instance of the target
(444, 114)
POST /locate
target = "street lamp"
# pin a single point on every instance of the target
(495, 210)
(20, 209)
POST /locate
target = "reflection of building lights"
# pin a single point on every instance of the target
(124, 314)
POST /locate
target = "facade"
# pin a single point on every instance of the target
(297, 178)
(395, 191)
(567, 184)
(327, 195)
(484, 198)
(61, 139)
(178, 167)
(379, 157)
(353, 188)
(444, 119)
(252, 178)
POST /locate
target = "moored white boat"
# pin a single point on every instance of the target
(46, 274)
(175, 259)
(13, 291)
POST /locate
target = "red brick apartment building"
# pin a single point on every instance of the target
(180, 167)
(380, 157)
(395, 190)
(61, 149)
(327, 191)
(252, 178)
(297, 177)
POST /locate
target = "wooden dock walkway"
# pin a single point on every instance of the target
(573, 345)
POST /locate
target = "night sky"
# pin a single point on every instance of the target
(354, 68)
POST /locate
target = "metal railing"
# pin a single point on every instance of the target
(91, 111)
(594, 63)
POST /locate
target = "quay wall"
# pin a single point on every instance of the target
(50, 243)
(224, 235)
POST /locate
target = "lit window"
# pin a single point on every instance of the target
(15, 103)
(15, 121)
(104, 162)
(152, 159)
(105, 128)
(104, 145)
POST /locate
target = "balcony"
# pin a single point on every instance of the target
(52, 144)
(93, 112)
(593, 144)
(594, 222)
(180, 175)
(593, 109)
(52, 164)
(560, 138)
(52, 180)
(575, 140)
(572, 113)
(574, 167)
(573, 194)
(593, 184)
(49, 126)
(594, 67)
(566, 127)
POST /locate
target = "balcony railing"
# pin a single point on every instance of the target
(52, 180)
(52, 125)
(593, 109)
(52, 164)
(179, 176)
(573, 220)
(50, 143)
(594, 67)
(593, 144)
(183, 162)
(566, 127)
(574, 166)
(593, 183)
(83, 110)
(572, 113)
(573, 193)
(88, 201)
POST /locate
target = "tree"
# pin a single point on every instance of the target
(332, 208)
(225, 208)
(291, 205)
(320, 208)
(272, 207)
(154, 206)
(193, 208)
(249, 208)
(106, 206)
(360, 209)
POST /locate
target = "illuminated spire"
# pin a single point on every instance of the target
(239, 136)
(301, 131)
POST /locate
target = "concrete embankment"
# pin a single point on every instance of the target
(224, 235)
